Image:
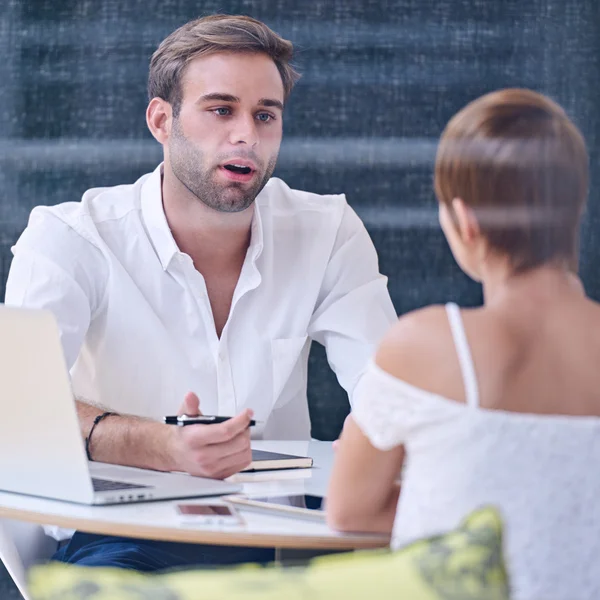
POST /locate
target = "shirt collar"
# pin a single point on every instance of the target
(155, 220)
(162, 239)
(256, 233)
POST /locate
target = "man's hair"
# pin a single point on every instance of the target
(515, 158)
(211, 35)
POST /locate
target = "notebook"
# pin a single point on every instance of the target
(271, 461)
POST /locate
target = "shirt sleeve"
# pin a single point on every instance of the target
(54, 268)
(354, 309)
(382, 409)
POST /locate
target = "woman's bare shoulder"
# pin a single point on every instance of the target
(420, 349)
(416, 342)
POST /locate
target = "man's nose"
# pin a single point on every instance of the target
(244, 131)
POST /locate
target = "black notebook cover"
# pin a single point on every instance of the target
(266, 461)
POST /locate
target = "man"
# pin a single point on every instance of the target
(205, 279)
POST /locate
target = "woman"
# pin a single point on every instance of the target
(499, 404)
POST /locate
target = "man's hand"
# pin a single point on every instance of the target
(190, 406)
(216, 451)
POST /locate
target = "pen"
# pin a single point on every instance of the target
(197, 420)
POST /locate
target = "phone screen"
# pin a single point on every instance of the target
(298, 501)
(205, 510)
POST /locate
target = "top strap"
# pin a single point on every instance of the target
(464, 355)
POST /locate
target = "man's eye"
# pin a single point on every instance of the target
(264, 117)
(222, 111)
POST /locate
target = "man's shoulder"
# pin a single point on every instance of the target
(328, 217)
(280, 197)
(97, 205)
(78, 222)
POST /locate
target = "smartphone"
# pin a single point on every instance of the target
(216, 515)
(304, 506)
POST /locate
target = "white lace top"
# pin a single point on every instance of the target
(541, 471)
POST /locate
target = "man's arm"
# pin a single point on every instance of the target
(125, 439)
(354, 310)
(45, 277)
(55, 269)
(216, 451)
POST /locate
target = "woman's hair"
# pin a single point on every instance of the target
(210, 35)
(515, 158)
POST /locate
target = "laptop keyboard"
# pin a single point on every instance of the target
(106, 485)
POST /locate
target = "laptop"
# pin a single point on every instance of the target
(42, 452)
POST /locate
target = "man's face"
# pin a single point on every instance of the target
(225, 140)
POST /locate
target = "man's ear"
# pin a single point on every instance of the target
(466, 221)
(159, 116)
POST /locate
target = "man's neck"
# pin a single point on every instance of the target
(214, 240)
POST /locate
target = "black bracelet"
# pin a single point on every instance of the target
(89, 437)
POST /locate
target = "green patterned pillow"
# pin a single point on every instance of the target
(465, 564)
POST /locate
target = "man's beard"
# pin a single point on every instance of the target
(187, 163)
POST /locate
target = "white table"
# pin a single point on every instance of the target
(158, 520)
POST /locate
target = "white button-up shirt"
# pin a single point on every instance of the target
(135, 318)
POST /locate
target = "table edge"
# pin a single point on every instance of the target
(201, 536)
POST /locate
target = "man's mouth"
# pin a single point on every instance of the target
(234, 168)
(239, 170)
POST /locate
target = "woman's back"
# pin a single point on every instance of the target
(539, 471)
(512, 443)
(535, 350)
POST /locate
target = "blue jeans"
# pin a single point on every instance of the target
(87, 549)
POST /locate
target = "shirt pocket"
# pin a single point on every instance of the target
(289, 368)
